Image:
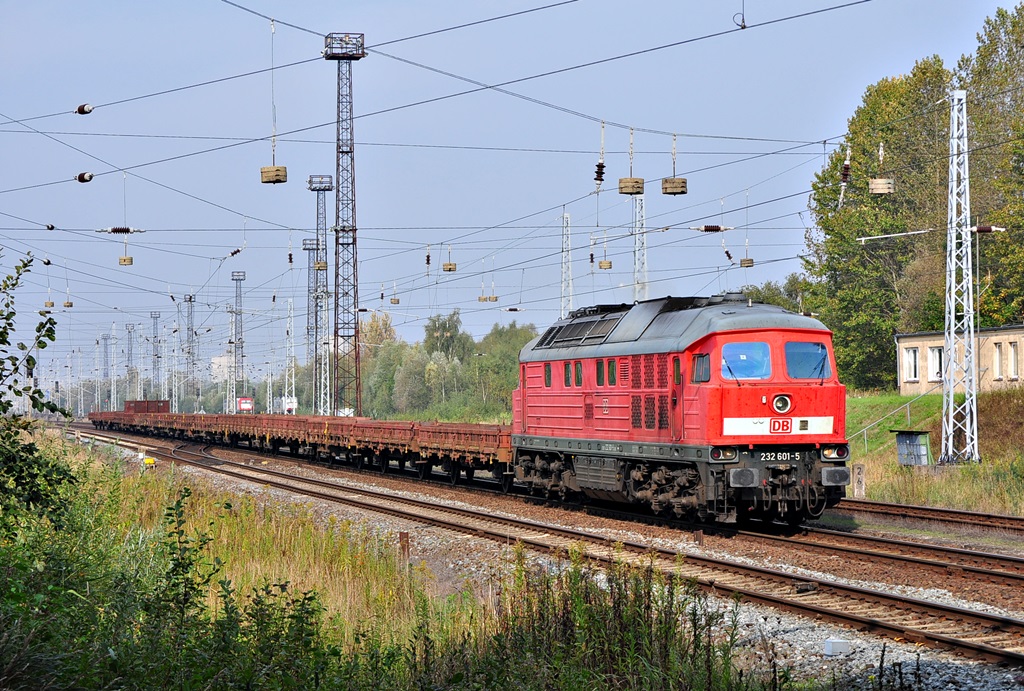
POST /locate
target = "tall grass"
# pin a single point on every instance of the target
(996, 485)
(155, 584)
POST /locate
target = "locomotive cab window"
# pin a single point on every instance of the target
(677, 372)
(611, 373)
(700, 368)
(568, 375)
(807, 361)
(547, 374)
(579, 373)
(600, 372)
(746, 361)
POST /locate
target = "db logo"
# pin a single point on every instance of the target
(780, 426)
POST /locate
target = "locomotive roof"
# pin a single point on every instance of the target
(656, 326)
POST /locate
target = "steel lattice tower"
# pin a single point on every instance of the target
(639, 249)
(566, 305)
(238, 345)
(288, 395)
(134, 381)
(318, 350)
(105, 339)
(959, 420)
(155, 384)
(346, 393)
(191, 352)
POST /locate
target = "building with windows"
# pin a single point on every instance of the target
(997, 356)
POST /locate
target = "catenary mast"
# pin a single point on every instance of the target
(346, 395)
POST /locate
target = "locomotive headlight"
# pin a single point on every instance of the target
(835, 453)
(723, 453)
(782, 404)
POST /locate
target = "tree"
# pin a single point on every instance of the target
(444, 334)
(497, 367)
(861, 289)
(994, 80)
(410, 392)
(378, 398)
(788, 295)
(29, 481)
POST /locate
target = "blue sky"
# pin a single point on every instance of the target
(484, 176)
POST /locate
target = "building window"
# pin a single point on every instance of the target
(547, 374)
(568, 375)
(1013, 365)
(997, 361)
(600, 372)
(935, 363)
(910, 364)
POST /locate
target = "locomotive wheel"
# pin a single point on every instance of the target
(385, 463)
(507, 481)
(453, 472)
(423, 470)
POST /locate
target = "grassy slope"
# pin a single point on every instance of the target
(997, 485)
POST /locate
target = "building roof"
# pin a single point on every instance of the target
(986, 329)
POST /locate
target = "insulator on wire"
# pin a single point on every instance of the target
(84, 109)
(711, 228)
(289, 257)
(46, 262)
(728, 255)
(845, 175)
(235, 252)
(50, 226)
(591, 257)
(599, 172)
(273, 298)
(83, 177)
(428, 258)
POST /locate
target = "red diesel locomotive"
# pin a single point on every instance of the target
(717, 408)
(712, 408)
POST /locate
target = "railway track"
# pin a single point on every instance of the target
(946, 562)
(925, 513)
(977, 634)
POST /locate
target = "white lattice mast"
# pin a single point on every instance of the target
(318, 318)
(959, 419)
(238, 344)
(168, 356)
(133, 386)
(323, 391)
(155, 384)
(566, 304)
(105, 340)
(639, 249)
(288, 395)
(191, 352)
(346, 394)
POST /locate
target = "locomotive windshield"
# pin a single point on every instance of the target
(807, 361)
(746, 361)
